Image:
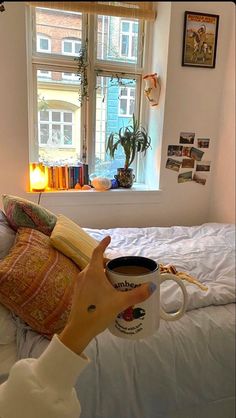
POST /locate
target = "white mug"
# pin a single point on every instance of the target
(141, 320)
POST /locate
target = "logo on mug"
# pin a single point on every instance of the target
(132, 313)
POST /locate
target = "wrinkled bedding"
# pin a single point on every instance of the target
(186, 369)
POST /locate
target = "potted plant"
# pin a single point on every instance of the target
(134, 139)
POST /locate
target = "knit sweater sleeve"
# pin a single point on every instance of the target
(43, 387)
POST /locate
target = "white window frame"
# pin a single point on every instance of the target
(45, 73)
(127, 97)
(73, 44)
(131, 34)
(62, 124)
(65, 63)
(69, 76)
(46, 51)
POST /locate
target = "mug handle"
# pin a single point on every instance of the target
(176, 315)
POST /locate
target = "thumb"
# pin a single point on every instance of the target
(97, 256)
(137, 295)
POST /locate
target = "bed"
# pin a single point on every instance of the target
(186, 369)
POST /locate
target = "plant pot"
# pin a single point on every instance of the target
(125, 177)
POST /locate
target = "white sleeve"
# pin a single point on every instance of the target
(43, 387)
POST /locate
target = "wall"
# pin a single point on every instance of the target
(191, 100)
(222, 205)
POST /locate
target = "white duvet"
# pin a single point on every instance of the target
(207, 252)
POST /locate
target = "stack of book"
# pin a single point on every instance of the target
(66, 177)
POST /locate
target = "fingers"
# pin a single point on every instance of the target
(97, 256)
(137, 295)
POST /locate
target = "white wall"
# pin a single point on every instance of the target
(222, 205)
(191, 100)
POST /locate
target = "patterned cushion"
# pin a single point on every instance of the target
(36, 282)
(7, 236)
(73, 241)
(23, 213)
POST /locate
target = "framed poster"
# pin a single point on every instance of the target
(200, 39)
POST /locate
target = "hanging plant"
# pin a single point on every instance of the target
(82, 64)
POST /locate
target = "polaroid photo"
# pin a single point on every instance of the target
(175, 150)
(184, 177)
(173, 164)
(196, 154)
(199, 178)
(203, 142)
(186, 152)
(203, 166)
(186, 137)
(188, 163)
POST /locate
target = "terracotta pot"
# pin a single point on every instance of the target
(125, 177)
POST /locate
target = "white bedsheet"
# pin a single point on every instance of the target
(207, 252)
(8, 355)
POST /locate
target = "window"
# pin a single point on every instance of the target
(71, 129)
(126, 101)
(128, 39)
(43, 43)
(71, 46)
(55, 128)
(46, 74)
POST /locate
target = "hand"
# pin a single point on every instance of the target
(93, 288)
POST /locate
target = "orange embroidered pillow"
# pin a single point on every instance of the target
(36, 282)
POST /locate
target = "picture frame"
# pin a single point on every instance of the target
(200, 39)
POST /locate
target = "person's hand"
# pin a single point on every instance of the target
(94, 290)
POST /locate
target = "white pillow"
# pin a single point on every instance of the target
(7, 326)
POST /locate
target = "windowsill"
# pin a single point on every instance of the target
(138, 194)
(137, 187)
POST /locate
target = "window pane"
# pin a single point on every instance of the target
(56, 116)
(123, 106)
(67, 135)
(59, 138)
(114, 39)
(125, 26)
(56, 134)
(67, 46)
(67, 117)
(77, 47)
(134, 46)
(44, 133)
(44, 115)
(123, 91)
(44, 44)
(125, 45)
(131, 107)
(109, 104)
(58, 25)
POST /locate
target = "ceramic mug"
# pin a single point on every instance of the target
(141, 320)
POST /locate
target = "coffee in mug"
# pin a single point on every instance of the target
(141, 320)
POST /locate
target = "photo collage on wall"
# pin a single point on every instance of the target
(189, 160)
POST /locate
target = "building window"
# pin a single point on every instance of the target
(114, 78)
(44, 74)
(55, 128)
(71, 46)
(128, 39)
(126, 101)
(43, 43)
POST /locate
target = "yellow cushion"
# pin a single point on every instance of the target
(73, 241)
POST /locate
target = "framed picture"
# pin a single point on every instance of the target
(200, 39)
